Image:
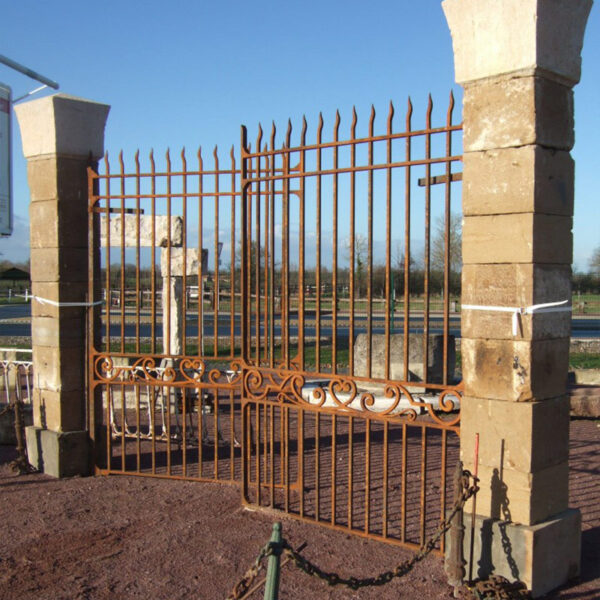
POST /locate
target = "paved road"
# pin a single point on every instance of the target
(15, 321)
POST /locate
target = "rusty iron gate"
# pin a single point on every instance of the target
(286, 322)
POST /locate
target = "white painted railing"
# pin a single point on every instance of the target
(16, 375)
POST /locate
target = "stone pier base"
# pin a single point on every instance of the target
(543, 556)
(59, 454)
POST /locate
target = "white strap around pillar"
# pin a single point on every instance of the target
(41, 300)
(517, 311)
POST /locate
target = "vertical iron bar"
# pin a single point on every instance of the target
(257, 251)
(184, 198)
(216, 281)
(318, 257)
(403, 486)
(385, 478)
(423, 482)
(244, 241)
(350, 470)
(301, 266)
(201, 259)
(388, 250)
(426, 251)
(367, 475)
(370, 248)
(333, 461)
(153, 259)
(232, 259)
(168, 350)
(122, 252)
(448, 216)
(407, 242)
(138, 289)
(334, 296)
(352, 239)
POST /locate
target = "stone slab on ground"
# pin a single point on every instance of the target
(435, 357)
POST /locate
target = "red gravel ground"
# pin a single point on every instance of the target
(134, 537)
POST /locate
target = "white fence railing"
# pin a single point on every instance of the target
(16, 376)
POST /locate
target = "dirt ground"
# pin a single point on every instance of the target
(135, 537)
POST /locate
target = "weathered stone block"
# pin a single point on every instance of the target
(176, 259)
(150, 229)
(59, 178)
(65, 265)
(55, 224)
(522, 436)
(518, 180)
(60, 410)
(544, 556)
(517, 238)
(173, 319)
(435, 357)
(515, 285)
(59, 332)
(517, 111)
(492, 38)
(58, 454)
(515, 370)
(62, 124)
(59, 368)
(522, 497)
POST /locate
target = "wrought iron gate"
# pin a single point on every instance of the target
(304, 350)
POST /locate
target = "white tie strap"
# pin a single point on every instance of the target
(41, 300)
(517, 311)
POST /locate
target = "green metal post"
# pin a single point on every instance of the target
(272, 581)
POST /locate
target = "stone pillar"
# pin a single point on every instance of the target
(60, 133)
(518, 61)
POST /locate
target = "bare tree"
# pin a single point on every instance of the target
(438, 246)
(361, 250)
(595, 262)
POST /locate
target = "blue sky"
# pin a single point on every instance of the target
(192, 73)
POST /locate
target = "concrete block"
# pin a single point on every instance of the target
(518, 180)
(58, 454)
(62, 124)
(517, 238)
(435, 357)
(515, 370)
(492, 38)
(544, 556)
(515, 285)
(519, 111)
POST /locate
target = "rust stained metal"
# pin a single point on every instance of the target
(265, 392)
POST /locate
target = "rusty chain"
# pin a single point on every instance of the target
(240, 589)
(403, 568)
(499, 588)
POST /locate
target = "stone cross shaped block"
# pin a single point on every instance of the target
(160, 231)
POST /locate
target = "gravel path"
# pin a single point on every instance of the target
(134, 537)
